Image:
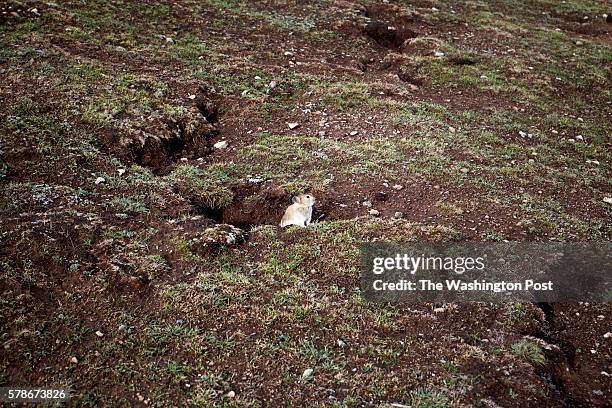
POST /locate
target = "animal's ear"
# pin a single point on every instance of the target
(295, 199)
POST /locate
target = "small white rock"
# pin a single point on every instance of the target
(121, 172)
(438, 54)
(607, 200)
(74, 360)
(452, 129)
(341, 343)
(230, 394)
(307, 373)
(374, 213)
(607, 335)
(100, 180)
(220, 145)
(99, 334)
(288, 54)
(191, 97)
(397, 187)
(398, 214)
(293, 125)
(354, 132)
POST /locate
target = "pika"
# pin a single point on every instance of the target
(300, 212)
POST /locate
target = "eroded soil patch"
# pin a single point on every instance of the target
(161, 141)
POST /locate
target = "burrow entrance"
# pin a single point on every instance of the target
(254, 205)
(163, 141)
(388, 28)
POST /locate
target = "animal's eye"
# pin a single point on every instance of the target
(307, 196)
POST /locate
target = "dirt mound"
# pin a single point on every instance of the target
(224, 234)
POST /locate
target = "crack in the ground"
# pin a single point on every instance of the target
(562, 361)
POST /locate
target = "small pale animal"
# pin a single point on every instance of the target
(300, 212)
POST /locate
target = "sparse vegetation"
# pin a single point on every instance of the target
(115, 195)
(529, 351)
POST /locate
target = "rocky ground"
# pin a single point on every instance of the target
(149, 149)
